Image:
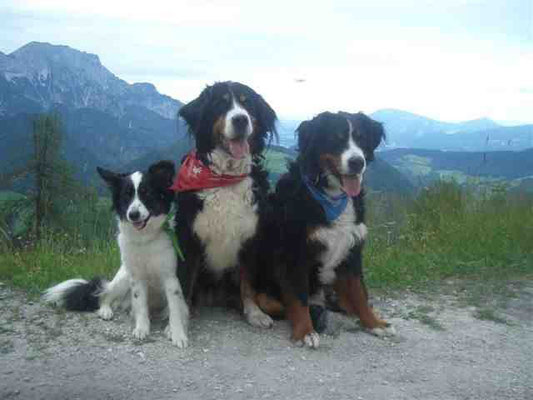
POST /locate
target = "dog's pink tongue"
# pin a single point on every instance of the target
(239, 148)
(351, 186)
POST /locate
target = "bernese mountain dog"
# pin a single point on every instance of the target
(222, 191)
(316, 233)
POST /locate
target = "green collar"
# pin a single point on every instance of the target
(169, 229)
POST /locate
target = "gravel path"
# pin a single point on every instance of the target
(441, 352)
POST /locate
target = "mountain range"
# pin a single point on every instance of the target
(107, 121)
(408, 130)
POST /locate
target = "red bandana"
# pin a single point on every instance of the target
(194, 175)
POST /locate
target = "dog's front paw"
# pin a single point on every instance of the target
(178, 337)
(383, 331)
(105, 312)
(311, 340)
(140, 332)
(259, 319)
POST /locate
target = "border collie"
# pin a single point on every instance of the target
(317, 229)
(142, 202)
(222, 190)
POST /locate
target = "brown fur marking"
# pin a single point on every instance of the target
(330, 162)
(218, 129)
(353, 300)
(300, 319)
(270, 305)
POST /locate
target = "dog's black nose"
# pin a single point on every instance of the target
(240, 123)
(356, 165)
(134, 215)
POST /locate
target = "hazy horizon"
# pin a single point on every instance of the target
(458, 61)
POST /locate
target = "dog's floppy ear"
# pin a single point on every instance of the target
(111, 178)
(195, 114)
(162, 174)
(371, 131)
(192, 111)
(265, 121)
(308, 153)
(304, 135)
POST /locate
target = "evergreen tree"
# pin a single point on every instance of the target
(53, 183)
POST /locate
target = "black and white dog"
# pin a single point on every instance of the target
(222, 191)
(142, 202)
(317, 228)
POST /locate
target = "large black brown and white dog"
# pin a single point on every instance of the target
(317, 228)
(147, 275)
(222, 191)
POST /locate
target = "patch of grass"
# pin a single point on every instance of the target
(449, 232)
(489, 314)
(6, 346)
(445, 232)
(422, 315)
(6, 329)
(276, 161)
(6, 195)
(113, 337)
(52, 262)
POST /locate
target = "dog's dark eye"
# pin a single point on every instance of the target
(226, 97)
(242, 98)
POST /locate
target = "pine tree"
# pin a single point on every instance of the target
(52, 176)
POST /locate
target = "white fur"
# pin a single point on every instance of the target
(318, 299)
(255, 316)
(236, 110)
(353, 150)
(148, 271)
(149, 264)
(227, 220)
(136, 204)
(339, 238)
(311, 340)
(383, 332)
(56, 294)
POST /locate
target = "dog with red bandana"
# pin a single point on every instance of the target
(222, 190)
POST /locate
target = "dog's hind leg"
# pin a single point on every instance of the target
(353, 299)
(254, 315)
(114, 290)
(178, 312)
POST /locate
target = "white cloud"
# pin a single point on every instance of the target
(449, 60)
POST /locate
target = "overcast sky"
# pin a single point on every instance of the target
(447, 59)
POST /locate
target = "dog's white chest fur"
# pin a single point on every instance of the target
(338, 238)
(227, 220)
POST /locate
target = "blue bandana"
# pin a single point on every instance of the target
(332, 206)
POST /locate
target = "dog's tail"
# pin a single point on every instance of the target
(76, 294)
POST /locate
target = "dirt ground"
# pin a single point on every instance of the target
(446, 348)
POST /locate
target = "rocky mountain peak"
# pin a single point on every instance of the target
(48, 75)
